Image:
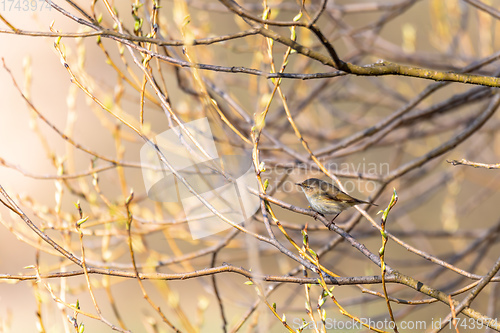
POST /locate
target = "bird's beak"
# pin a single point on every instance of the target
(298, 184)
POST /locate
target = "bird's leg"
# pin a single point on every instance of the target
(331, 222)
(318, 214)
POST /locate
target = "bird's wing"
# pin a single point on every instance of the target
(344, 197)
(341, 196)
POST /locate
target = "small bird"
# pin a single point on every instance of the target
(327, 199)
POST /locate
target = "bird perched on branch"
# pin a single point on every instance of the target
(326, 198)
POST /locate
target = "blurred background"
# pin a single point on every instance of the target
(372, 134)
